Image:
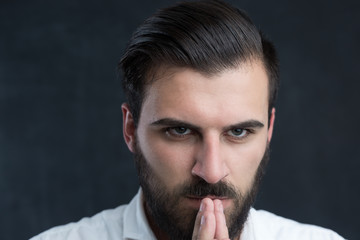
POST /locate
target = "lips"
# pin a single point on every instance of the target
(212, 197)
(195, 201)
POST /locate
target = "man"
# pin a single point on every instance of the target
(201, 84)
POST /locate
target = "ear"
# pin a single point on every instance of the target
(129, 130)
(271, 124)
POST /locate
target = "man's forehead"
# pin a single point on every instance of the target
(233, 95)
(166, 72)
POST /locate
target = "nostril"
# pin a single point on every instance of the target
(210, 174)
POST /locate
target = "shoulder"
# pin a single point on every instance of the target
(99, 226)
(266, 224)
(124, 222)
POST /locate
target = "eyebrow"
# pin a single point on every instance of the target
(254, 124)
(173, 123)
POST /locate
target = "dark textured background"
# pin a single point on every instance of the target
(62, 156)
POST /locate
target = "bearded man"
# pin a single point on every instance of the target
(201, 83)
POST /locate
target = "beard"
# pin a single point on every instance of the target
(167, 211)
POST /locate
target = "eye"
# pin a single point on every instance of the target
(178, 131)
(238, 132)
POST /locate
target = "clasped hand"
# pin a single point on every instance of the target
(210, 223)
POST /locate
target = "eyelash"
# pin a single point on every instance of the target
(240, 138)
(177, 135)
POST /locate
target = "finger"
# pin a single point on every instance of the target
(198, 220)
(222, 231)
(207, 226)
(205, 223)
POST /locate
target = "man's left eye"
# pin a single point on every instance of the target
(238, 132)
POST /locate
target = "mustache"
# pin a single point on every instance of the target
(201, 188)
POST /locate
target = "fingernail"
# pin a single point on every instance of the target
(201, 207)
(202, 221)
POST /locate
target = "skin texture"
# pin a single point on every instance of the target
(213, 128)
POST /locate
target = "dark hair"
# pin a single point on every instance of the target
(207, 36)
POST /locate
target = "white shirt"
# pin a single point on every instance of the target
(128, 222)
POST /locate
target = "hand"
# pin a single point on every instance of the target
(210, 223)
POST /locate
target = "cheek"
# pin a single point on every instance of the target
(245, 164)
(171, 163)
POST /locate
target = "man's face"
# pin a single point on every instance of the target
(200, 136)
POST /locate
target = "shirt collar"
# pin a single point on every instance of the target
(248, 230)
(135, 222)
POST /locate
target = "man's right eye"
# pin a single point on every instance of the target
(178, 131)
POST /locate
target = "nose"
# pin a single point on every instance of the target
(210, 164)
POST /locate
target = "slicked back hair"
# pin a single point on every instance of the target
(206, 36)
